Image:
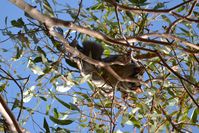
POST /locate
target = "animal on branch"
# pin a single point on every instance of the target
(105, 82)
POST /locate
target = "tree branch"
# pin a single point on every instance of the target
(10, 119)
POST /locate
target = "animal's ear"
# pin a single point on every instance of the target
(93, 50)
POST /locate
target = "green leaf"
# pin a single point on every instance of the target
(45, 125)
(56, 113)
(48, 107)
(139, 2)
(48, 8)
(60, 122)
(135, 121)
(71, 63)
(84, 96)
(69, 106)
(62, 130)
(40, 50)
(181, 8)
(194, 115)
(19, 23)
(24, 40)
(37, 59)
(19, 53)
(165, 18)
(98, 6)
(43, 98)
(3, 86)
(28, 94)
(159, 5)
(15, 104)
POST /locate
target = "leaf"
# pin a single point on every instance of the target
(194, 115)
(3, 86)
(48, 107)
(56, 113)
(45, 125)
(15, 104)
(35, 69)
(98, 6)
(119, 131)
(62, 130)
(48, 8)
(139, 2)
(19, 54)
(159, 5)
(85, 78)
(40, 50)
(71, 63)
(24, 40)
(63, 88)
(69, 106)
(135, 121)
(165, 18)
(60, 122)
(43, 98)
(84, 96)
(28, 94)
(37, 59)
(19, 23)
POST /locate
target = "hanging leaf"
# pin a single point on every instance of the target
(19, 54)
(63, 88)
(71, 63)
(19, 23)
(194, 115)
(69, 106)
(48, 8)
(27, 95)
(45, 125)
(60, 122)
(35, 69)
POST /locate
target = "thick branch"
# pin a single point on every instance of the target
(10, 119)
(51, 22)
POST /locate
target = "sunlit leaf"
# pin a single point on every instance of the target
(194, 115)
(62, 88)
(28, 94)
(35, 69)
(48, 8)
(60, 122)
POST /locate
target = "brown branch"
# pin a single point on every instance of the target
(77, 53)
(185, 18)
(163, 35)
(169, 119)
(180, 19)
(76, 18)
(51, 22)
(141, 10)
(8, 115)
(20, 88)
(189, 93)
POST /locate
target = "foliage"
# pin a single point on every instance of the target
(169, 101)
